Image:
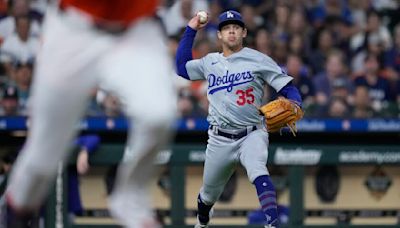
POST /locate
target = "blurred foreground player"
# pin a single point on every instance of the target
(120, 45)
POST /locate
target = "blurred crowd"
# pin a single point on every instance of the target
(344, 55)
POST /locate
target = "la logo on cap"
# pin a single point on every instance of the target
(229, 14)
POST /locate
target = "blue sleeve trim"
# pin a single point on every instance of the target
(292, 93)
(184, 52)
(90, 142)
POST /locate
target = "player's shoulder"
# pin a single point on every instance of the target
(256, 55)
(263, 61)
(213, 56)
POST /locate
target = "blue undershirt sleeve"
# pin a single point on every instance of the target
(184, 52)
(89, 142)
(292, 93)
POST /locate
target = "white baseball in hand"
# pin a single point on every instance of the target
(203, 17)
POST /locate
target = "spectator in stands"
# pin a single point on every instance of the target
(175, 17)
(375, 29)
(110, 104)
(297, 45)
(398, 97)
(262, 8)
(323, 82)
(252, 22)
(87, 145)
(319, 54)
(392, 57)
(18, 8)
(378, 87)
(211, 28)
(338, 108)
(362, 103)
(280, 51)
(359, 11)
(6, 164)
(186, 102)
(301, 80)
(23, 79)
(320, 11)
(263, 42)
(341, 90)
(93, 108)
(19, 46)
(374, 46)
(280, 22)
(9, 102)
(229, 4)
(298, 23)
(202, 48)
(202, 100)
(343, 30)
(336, 8)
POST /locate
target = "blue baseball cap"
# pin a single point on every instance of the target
(230, 17)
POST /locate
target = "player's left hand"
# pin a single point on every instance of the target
(82, 162)
(280, 113)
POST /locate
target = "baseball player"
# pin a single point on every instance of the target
(236, 78)
(116, 44)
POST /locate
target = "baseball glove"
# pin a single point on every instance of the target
(280, 113)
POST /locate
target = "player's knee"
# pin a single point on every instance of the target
(210, 195)
(253, 174)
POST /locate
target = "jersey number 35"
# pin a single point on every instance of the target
(245, 96)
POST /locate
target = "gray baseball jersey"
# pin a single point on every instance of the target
(236, 85)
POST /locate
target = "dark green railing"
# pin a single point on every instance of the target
(295, 157)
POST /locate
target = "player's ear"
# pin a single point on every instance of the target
(244, 33)
(219, 35)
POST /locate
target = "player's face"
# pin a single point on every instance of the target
(232, 36)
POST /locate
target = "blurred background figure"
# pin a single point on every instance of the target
(185, 102)
(319, 55)
(175, 17)
(362, 103)
(20, 46)
(110, 104)
(20, 8)
(324, 81)
(378, 87)
(263, 42)
(338, 108)
(23, 80)
(87, 145)
(9, 102)
(6, 164)
(301, 79)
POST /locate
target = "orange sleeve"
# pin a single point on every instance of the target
(121, 11)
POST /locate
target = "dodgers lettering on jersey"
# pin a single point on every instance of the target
(228, 81)
(236, 85)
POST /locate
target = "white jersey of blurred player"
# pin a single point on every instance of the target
(119, 45)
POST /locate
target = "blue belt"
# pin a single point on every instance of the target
(236, 136)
